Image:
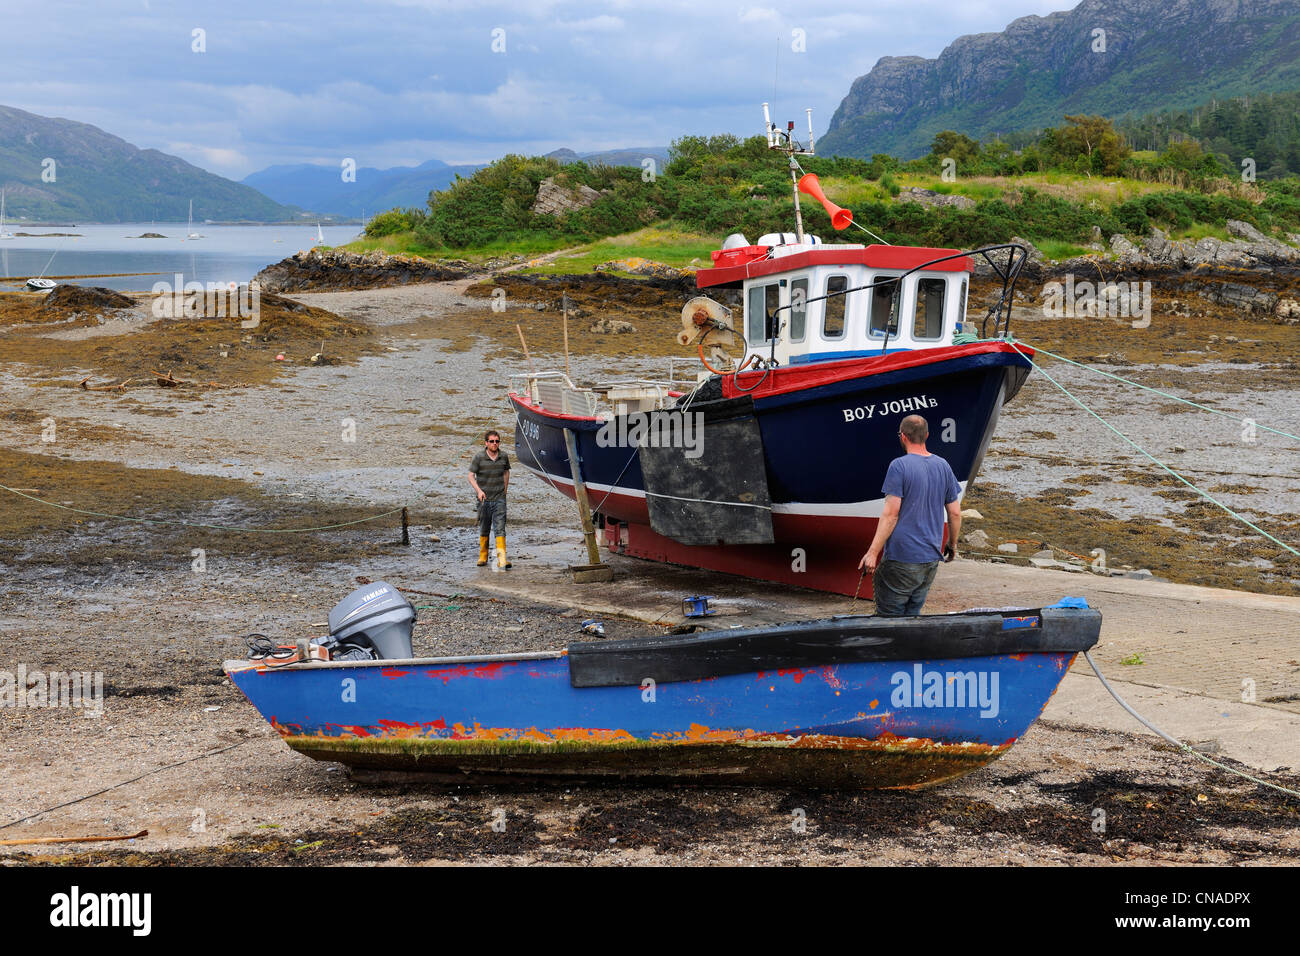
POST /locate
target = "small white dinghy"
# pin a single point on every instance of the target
(41, 285)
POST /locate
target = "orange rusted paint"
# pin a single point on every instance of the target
(286, 730)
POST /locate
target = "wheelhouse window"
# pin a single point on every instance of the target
(763, 301)
(884, 306)
(798, 309)
(928, 320)
(834, 317)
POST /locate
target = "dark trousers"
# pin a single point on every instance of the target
(901, 588)
(492, 517)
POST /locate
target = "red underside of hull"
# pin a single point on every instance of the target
(819, 552)
(828, 564)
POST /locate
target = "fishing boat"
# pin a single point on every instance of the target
(845, 702)
(41, 285)
(772, 465)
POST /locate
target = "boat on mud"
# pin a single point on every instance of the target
(772, 468)
(846, 702)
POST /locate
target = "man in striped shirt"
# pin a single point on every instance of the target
(489, 476)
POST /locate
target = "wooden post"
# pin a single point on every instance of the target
(594, 570)
(564, 299)
(528, 358)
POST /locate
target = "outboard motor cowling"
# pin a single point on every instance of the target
(377, 614)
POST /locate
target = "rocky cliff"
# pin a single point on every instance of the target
(1153, 54)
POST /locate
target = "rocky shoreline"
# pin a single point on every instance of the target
(1254, 274)
(335, 270)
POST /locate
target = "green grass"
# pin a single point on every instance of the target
(659, 243)
(1056, 250)
(1200, 230)
(656, 243)
(405, 243)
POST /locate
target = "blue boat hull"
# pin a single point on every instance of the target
(860, 724)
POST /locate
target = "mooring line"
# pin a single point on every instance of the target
(1178, 743)
(220, 527)
(1185, 401)
(149, 773)
(189, 524)
(1204, 494)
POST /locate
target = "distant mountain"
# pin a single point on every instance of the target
(323, 188)
(99, 177)
(613, 157)
(1158, 55)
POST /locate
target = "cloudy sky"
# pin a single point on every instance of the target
(397, 82)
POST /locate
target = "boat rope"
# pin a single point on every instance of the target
(220, 527)
(1178, 743)
(1185, 401)
(1204, 494)
(188, 524)
(210, 753)
(710, 501)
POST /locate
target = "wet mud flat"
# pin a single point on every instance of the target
(91, 593)
(223, 789)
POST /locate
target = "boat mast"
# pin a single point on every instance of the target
(783, 141)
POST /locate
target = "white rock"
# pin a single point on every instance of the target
(1008, 548)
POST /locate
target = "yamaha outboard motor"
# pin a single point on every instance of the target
(374, 621)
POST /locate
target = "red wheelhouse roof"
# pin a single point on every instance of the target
(874, 256)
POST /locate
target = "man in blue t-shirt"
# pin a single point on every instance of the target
(919, 487)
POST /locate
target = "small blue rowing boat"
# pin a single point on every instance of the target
(854, 702)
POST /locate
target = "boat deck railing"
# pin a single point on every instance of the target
(554, 391)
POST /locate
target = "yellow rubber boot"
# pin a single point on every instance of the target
(482, 550)
(502, 563)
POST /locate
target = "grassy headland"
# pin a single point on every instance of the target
(1061, 190)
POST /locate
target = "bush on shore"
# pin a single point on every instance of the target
(722, 184)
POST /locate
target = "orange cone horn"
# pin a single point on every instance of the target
(840, 217)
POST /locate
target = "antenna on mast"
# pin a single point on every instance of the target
(783, 141)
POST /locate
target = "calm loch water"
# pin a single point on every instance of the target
(224, 254)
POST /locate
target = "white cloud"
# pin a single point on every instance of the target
(402, 81)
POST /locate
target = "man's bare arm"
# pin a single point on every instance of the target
(954, 524)
(473, 483)
(884, 528)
